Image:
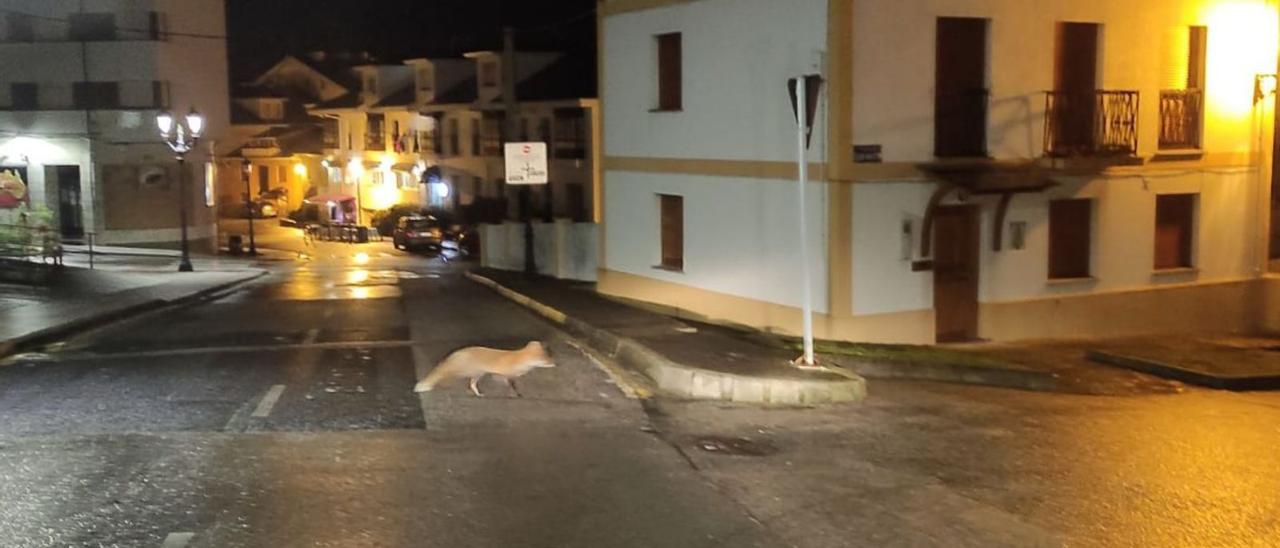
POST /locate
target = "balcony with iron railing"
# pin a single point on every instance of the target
(125, 95)
(1100, 123)
(261, 147)
(331, 139)
(1181, 119)
(375, 140)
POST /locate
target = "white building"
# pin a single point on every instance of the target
(995, 169)
(274, 146)
(449, 113)
(80, 85)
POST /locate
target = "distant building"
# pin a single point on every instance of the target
(80, 85)
(997, 169)
(276, 148)
(449, 113)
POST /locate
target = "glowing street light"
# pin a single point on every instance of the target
(181, 138)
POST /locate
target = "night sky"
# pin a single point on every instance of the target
(261, 31)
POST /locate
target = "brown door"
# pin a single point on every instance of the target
(955, 273)
(960, 97)
(1076, 81)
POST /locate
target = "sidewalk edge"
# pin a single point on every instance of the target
(679, 380)
(79, 325)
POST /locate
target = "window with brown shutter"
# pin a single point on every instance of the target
(1175, 229)
(672, 231)
(1070, 231)
(669, 71)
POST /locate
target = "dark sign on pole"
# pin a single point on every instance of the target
(812, 87)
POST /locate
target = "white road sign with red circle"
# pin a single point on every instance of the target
(526, 163)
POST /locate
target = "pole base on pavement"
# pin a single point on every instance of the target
(185, 266)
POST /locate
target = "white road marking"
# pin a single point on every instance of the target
(177, 540)
(312, 335)
(336, 345)
(269, 401)
(421, 365)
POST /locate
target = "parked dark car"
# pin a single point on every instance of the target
(238, 210)
(418, 232)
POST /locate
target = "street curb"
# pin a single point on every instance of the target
(1164, 370)
(683, 381)
(60, 331)
(1038, 381)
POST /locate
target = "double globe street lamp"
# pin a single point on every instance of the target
(181, 138)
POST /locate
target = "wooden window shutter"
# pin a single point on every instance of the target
(1070, 233)
(672, 211)
(1198, 44)
(670, 72)
(1175, 228)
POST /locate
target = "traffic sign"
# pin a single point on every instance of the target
(526, 163)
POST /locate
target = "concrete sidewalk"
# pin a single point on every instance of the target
(681, 359)
(83, 298)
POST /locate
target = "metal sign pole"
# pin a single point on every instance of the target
(802, 169)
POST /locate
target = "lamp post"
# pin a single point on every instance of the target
(248, 202)
(181, 138)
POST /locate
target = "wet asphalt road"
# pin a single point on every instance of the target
(283, 415)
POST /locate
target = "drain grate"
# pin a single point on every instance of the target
(746, 447)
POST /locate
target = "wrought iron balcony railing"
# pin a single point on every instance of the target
(1096, 123)
(1181, 119)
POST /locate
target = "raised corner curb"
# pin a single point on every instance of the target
(683, 381)
(1168, 371)
(1036, 381)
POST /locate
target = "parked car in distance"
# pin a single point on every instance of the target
(238, 210)
(417, 232)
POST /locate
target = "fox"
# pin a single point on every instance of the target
(474, 362)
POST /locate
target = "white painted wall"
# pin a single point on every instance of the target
(738, 55)
(882, 278)
(562, 249)
(1123, 242)
(740, 235)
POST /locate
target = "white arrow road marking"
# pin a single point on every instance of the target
(269, 401)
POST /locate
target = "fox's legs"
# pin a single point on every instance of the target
(476, 389)
(512, 384)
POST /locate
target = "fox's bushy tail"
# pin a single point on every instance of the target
(432, 379)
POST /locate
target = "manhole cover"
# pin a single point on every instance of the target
(736, 446)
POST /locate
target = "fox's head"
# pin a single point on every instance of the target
(538, 356)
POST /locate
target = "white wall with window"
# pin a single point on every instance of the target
(740, 235)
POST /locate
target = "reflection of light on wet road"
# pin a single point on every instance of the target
(358, 276)
(361, 292)
(361, 258)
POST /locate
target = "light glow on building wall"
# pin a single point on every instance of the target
(355, 170)
(21, 150)
(1242, 45)
(385, 195)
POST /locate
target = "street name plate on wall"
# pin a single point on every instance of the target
(526, 163)
(866, 154)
